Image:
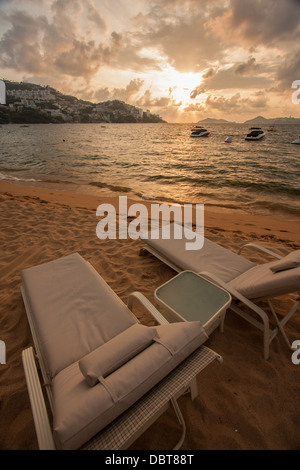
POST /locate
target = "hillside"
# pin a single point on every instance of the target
(30, 103)
(214, 121)
(261, 121)
(257, 121)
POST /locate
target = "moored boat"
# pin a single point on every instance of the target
(296, 141)
(199, 131)
(256, 133)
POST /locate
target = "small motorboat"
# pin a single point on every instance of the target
(228, 139)
(199, 131)
(256, 133)
(296, 141)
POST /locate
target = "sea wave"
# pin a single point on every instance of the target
(116, 188)
(5, 177)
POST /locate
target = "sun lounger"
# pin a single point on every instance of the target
(246, 281)
(107, 376)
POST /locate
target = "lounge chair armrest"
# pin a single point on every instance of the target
(148, 306)
(39, 411)
(261, 248)
(235, 294)
(255, 308)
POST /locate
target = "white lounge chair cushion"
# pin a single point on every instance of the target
(71, 306)
(261, 281)
(113, 354)
(292, 260)
(251, 280)
(80, 411)
(212, 258)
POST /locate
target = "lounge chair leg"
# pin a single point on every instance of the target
(194, 389)
(222, 323)
(181, 421)
(279, 325)
(263, 325)
(40, 416)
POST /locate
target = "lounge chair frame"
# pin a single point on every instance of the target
(129, 426)
(240, 301)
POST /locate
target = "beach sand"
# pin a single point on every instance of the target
(243, 403)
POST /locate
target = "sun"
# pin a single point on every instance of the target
(181, 84)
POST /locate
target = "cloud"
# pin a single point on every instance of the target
(210, 73)
(194, 108)
(243, 50)
(272, 30)
(197, 91)
(102, 94)
(94, 16)
(126, 94)
(19, 48)
(53, 45)
(289, 71)
(223, 104)
(165, 105)
(130, 93)
(258, 100)
(236, 103)
(130, 57)
(266, 23)
(236, 77)
(80, 59)
(246, 68)
(178, 30)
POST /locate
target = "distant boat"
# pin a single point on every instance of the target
(199, 131)
(296, 141)
(229, 139)
(256, 133)
(272, 129)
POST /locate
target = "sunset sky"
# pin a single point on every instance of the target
(183, 59)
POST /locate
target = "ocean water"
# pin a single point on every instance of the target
(159, 162)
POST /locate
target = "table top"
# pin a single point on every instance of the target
(193, 297)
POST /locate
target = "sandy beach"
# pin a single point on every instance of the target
(244, 403)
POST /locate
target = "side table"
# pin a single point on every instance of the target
(190, 297)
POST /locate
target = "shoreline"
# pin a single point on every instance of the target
(245, 403)
(161, 165)
(270, 226)
(105, 190)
